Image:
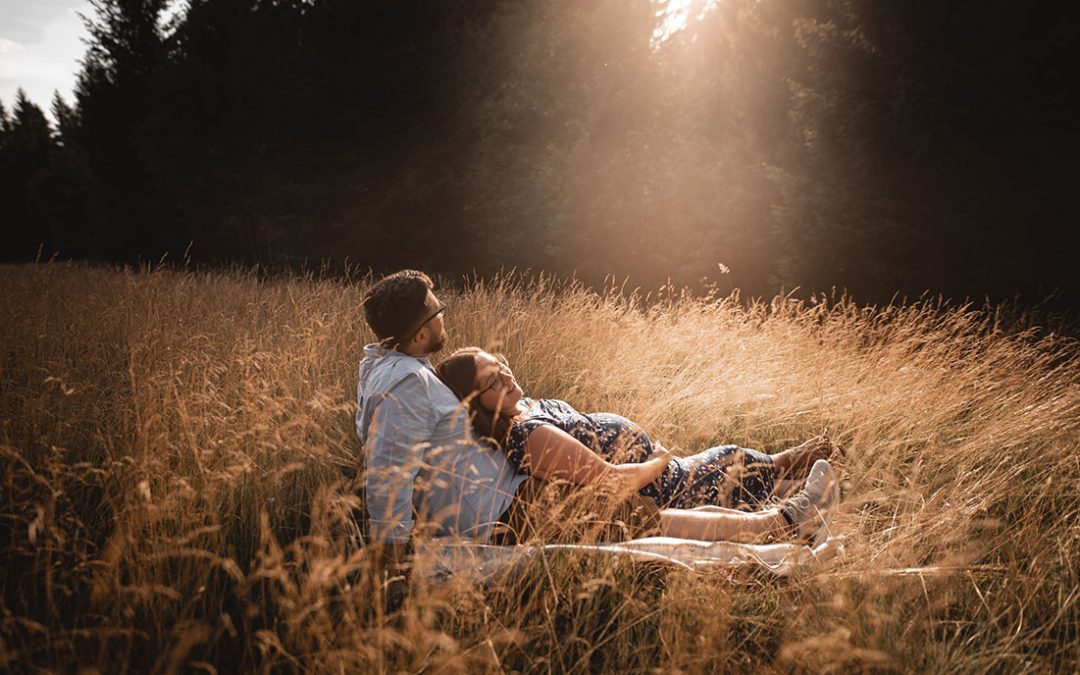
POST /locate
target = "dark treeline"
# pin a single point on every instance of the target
(881, 147)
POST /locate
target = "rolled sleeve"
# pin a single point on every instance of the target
(401, 428)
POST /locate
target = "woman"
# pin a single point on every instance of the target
(703, 496)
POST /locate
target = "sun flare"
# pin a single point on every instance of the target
(674, 15)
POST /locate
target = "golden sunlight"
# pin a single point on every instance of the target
(674, 15)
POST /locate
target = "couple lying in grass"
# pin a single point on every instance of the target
(461, 449)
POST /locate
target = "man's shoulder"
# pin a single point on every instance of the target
(382, 370)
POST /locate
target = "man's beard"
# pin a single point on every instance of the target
(438, 344)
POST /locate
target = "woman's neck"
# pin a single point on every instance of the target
(519, 408)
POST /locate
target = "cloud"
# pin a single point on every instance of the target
(48, 65)
(25, 22)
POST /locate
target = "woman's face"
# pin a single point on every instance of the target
(499, 391)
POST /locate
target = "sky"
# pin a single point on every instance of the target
(41, 44)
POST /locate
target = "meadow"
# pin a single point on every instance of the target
(178, 470)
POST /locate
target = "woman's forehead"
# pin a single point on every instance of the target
(486, 362)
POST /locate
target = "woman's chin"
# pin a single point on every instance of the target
(511, 405)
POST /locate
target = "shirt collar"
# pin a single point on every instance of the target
(377, 351)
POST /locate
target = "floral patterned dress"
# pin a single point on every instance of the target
(726, 475)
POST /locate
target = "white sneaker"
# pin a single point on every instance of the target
(809, 510)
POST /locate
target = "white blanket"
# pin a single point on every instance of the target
(482, 562)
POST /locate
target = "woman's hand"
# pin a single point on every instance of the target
(637, 475)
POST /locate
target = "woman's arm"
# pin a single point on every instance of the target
(553, 453)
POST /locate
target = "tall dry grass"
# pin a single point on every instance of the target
(178, 464)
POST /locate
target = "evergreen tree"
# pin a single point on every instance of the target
(31, 136)
(66, 119)
(228, 128)
(5, 121)
(67, 187)
(8, 190)
(131, 214)
(5, 161)
(28, 151)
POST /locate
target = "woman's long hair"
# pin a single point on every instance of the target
(458, 372)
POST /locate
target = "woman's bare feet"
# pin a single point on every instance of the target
(794, 463)
(837, 455)
(813, 449)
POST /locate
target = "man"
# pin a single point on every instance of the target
(420, 453)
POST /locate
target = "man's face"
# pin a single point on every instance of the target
(433, 331)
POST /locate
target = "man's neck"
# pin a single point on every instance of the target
(412, 351)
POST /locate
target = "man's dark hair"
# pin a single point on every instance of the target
(395, 305)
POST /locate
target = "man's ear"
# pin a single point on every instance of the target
(418, 337)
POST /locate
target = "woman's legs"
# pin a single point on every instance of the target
(804, 512)
(714, 523)
(796, 462)
(725, 475)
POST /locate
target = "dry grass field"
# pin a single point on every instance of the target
(178, 465)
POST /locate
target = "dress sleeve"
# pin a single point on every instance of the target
(519, 438)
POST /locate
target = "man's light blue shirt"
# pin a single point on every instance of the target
(421, 454)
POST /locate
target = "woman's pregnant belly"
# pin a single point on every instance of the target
(615, 438)
(620, 440)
